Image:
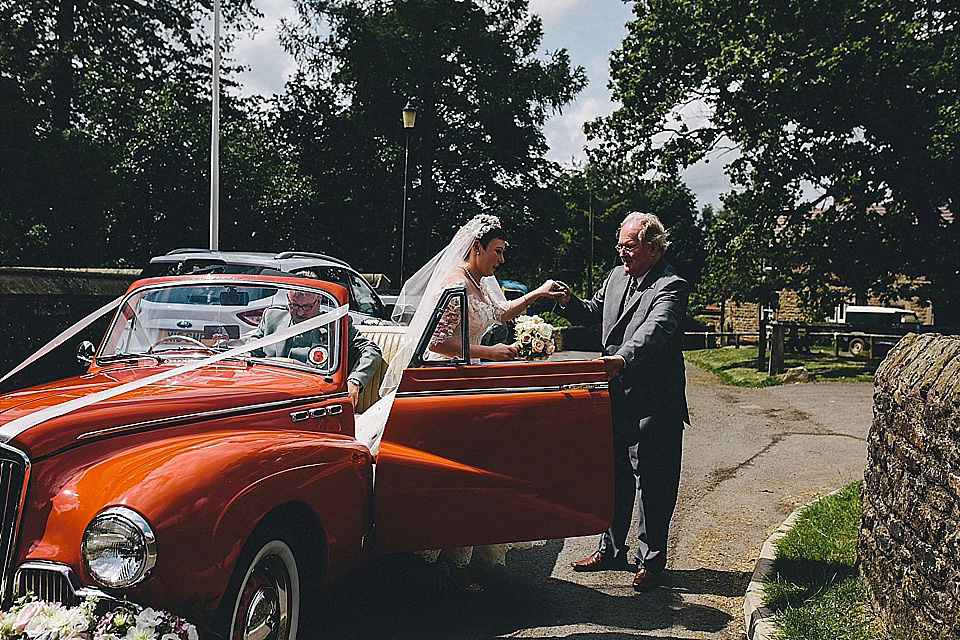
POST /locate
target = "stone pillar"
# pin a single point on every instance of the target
(909, 542)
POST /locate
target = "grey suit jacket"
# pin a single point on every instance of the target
(363, 355)
(650, 389)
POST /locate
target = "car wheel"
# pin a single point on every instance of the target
(857, 346)
(265, 602)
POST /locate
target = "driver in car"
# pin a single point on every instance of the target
(313, 347)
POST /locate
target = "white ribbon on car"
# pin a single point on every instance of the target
(15, 427)
(66, 335)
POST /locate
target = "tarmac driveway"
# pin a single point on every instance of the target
(751, 457)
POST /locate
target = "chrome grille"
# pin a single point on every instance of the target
(52, 583)
(13, 477)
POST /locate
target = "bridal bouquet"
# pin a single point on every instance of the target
(29, 619)
(534, 338)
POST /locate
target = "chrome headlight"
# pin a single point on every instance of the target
(119, 547)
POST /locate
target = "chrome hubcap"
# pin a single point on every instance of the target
(265, 601)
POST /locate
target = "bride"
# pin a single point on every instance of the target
(471, 258)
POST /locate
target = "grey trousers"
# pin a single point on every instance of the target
(646, 466)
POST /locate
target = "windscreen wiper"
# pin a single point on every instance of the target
(119, 357)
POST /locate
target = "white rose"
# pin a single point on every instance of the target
(148, 618)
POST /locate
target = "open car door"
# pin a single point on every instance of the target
(484, 453)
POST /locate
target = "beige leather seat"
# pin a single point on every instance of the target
(388, 339)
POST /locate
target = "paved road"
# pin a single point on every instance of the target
(752, 456)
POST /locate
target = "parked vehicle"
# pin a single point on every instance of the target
(229, 491)
(365, 305)
(875, 330)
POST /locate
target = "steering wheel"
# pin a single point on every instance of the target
(182, 339)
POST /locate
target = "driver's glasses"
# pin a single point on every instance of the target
(627, 247)
(301, 308)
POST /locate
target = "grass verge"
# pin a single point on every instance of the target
(814, 587)
(739, 366)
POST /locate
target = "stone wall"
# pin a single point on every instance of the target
(909, 543)
(742, 317)
(37, 303)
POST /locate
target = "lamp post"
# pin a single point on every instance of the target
(409, 119)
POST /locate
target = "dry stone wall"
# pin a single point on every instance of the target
(909, 542)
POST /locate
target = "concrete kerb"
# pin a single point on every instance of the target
(758, 617)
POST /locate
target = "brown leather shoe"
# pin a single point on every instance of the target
(645, 580)
(597, 562)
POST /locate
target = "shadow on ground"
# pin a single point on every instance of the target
(401, 597)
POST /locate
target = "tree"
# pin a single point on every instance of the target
(607, 196)
(79, 82)
(846, 115)
(482, 93)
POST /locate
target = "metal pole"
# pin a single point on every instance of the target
(215, 135)
(590, 272)
(403, 222)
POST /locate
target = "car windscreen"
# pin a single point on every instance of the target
(196, 319)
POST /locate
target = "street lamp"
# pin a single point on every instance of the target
(409, 119)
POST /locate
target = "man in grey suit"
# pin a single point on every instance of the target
(640, 307)
(312, 347)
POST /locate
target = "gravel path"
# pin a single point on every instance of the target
(751, 457)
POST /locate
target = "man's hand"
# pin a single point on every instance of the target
(353, 391)
(613, 364)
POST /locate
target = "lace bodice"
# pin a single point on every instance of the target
(483, 313)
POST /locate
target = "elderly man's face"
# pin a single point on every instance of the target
(637, 258)
(303, 306)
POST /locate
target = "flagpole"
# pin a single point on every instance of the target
(215, 135)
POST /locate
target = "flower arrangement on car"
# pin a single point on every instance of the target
(534, 338)
(30, 618)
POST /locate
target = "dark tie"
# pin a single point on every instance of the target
(631, 289)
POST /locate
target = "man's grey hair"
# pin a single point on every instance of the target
(651, 232)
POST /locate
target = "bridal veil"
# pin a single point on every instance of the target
(415, 305)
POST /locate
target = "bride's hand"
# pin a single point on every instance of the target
(553, 289)
(501, 352)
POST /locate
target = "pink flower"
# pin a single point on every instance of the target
(25, 615)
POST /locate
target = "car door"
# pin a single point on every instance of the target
(483, 453)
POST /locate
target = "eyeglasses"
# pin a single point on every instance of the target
(302, 308)
(629, 248)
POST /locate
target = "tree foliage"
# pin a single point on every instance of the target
(482, 93)
(846, 115)
(598, 200)
(105, 135)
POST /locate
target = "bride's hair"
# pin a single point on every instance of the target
(489, 229)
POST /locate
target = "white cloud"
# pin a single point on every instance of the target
(269, 66)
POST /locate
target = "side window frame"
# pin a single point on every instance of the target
(445, 299)
(357, 281)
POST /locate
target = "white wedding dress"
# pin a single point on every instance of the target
(482, 312)
(421, 293)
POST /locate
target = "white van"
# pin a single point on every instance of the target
(867, 320)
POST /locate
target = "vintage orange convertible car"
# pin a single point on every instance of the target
(187, 471)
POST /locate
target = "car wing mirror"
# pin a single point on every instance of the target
(85, 351)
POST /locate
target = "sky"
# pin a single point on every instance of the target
(588, 29)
